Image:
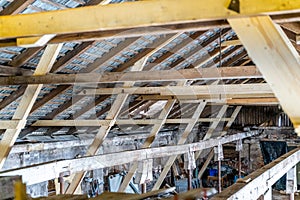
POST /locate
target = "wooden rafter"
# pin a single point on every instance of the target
(269, 45)
(16, 7)
(27, 101)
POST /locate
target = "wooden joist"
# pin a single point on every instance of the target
(193, 90)
(87, 123)
(267, 45)
(239, 72)
(27, 101)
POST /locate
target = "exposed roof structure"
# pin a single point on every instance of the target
(121, 91)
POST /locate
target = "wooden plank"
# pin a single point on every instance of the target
(253, 101)
(238, 72)
(142, 31)
(86, 123)
(255, 88)
(241, 98)
(268, 44)
(27, 101)
(182, 140)
(115, 16)
(292, 31)
(48, 171)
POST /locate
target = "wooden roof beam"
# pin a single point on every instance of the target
(267, 45)
(237, 72)
(105, 17)
(261, 88)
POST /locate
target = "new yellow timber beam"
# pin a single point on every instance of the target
(267, 45)
(123, 16)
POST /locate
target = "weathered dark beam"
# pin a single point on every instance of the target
(143, 76)
(62, 108)
(236, 58)
(26, 55)
(65, 60)
(89, 106)
(16, 7)
(207, 42)
(292, 30)
(48, 97)
(168, 54)
(14, 71)
(8, 100)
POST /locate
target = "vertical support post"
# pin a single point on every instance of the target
(240, 164)
(144, 188)
(239, 148)
(61, 185)
(190, 166)
(291, 182)
(249, 157)
(220, 176)
(20, 191)
(219, 152)
(190, 177)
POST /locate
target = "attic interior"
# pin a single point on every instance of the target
(156, 99)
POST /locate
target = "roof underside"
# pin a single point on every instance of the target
(187, 50)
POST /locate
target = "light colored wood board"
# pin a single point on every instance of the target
(268, 46)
